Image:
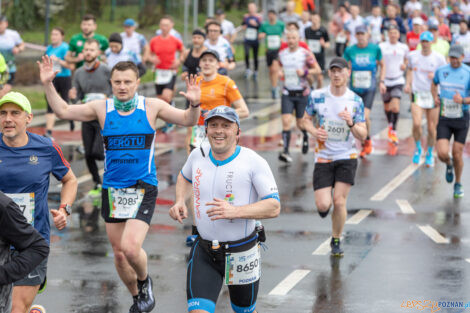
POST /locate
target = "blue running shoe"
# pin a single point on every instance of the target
(429, 162)
(336, 247)
(190, 240)
(458, 190)
(450, 172)
(417, 155)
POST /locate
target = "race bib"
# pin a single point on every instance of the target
(274, 42)
(163, 77)
(198, 135)
(454, 28)
(341, 39)
(337, 130)
(291, 78)
(376, 36)
(124, 203)
(362, 79)
(451, 109)
(93, 96)
(424, 100)
(314, 45)
(251, 33)
(26, 203)
(242, 268)
(56, 66)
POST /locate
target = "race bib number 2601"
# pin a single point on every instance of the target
(242, 268)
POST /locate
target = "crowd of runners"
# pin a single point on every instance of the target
(326, 72)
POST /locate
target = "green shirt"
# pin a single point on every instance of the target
(78, 41)
(273, 34)
(3, 70)
(363, 66)
(441, 46)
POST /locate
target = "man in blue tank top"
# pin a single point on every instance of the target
(130, 180)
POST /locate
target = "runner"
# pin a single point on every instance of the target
(351, 25)
(10, 45)
(116, 53)
(232, 187)
(305, 22)
(364, 59)
(392, 18)
(163, 50)
(251, 23)
(412, 37)
(453, 80)
(336, 27)
(374, 22)
(412, 6)
(28, 160)
(339, 116)
(215, 41)
(228, 29)
(77, 42)
(421, 67)
(438, 45)
(318, 40)
(32, 247)
(394, 55)
(289, 16)
(191, 56)
(130, 168)
(57, 51)
(272, 30)
(133, 41)
(4, 76)
(454, 19)
(463, 38)
(91, 82)
(296, 63)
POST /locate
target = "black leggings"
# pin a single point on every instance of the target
(255, 46)
(339, 49)
(94, 149)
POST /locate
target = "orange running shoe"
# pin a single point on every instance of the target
(392, 136)
(366, 148)
(392, 148)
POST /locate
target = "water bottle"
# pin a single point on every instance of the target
(215, 244)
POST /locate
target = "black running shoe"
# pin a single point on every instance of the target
(336, 247)
(146, 301)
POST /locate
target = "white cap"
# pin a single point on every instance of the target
(418, 21)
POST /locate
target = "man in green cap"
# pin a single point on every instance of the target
(27, 160)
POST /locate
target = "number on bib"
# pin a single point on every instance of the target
(26, 203)
(337, 130)
(292, 80)
(242, 268)
(163, 77)
(274, 42)
(314, 45)
(341, 39)
(251, 33)
(454, 28)
(424, 100)
(56, 67)
(362, 79)
(124, 203)
(451, 109)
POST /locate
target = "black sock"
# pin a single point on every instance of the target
(368, 137)
(286, 139)
(395, 120)
(304, 132)
(141, 282)
(388, 114)
(323, 214)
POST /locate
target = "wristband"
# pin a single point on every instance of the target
(195, 106)
(354, 123)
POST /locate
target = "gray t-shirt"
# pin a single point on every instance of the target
(289, 18)
(91, 83)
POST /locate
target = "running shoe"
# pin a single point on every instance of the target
(247, 73)
(392, 148)
(366, 148)
(392, 136)
(305, 145)
(429, 161)
(80, 149)
(146, 301)
(255, 75)
(458, 190)
(285, 157)
(450, 172)
(134, 308)
(273, 93)
(417, 155)
(190, 240)
(336, 247)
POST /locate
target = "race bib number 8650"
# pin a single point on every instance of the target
(242, 268)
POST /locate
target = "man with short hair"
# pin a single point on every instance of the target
(392, 18)
(463, 38)
(289, 16)
(232, 186)
(228, 29)
(453, 80)
(351, 25)
(117, 53)
(251, 23)
(339, 121)
(454, 18)
(28, 160)
(128, 127)
(412, 37)
(133, 41)
(374, 22)
(318, 40)
(77, 42)
(10, 45)
(215, 41)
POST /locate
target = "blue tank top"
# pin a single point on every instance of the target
(129, 147)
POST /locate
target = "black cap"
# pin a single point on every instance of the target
(211, 52)
(115, 37)
(219, 12)
(338, 62)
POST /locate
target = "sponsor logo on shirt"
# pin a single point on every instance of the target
(197, 192)
(33, 160)
(126, 142)
(229, 196)
(125, 159)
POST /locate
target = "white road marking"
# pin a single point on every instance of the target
(395, 182)
(405, 206)
(433, 234)
(289, 282)
(468, 260)
(358, 217)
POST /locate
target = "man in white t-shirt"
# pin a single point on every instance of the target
(394, 55)
(339, 121)
(215, 41)
(374, 22)
(304, 23)
(463, 38)
(133, 41)
(228, 29)
(350, 25)
(421, 67)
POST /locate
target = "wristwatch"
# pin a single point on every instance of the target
(67, 208)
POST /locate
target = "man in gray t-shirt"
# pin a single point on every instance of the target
(290, 16)
(91, 82)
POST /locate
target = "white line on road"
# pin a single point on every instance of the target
(358, 217)
(468, 260)
(405, 206)
(395, 182)
(324, 248)
(289, 282)
(433, 234)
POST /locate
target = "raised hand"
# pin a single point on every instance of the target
(46, 71)
(193, 90)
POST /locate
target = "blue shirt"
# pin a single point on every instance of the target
(60, 52)
(27, 169)
(450, 81)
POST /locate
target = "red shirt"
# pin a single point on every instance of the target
(444, 32)
(165, 49)
(412, 39)
(302, 44)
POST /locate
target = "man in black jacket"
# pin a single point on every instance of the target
(32, 247)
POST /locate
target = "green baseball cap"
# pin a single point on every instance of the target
(18, 99)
